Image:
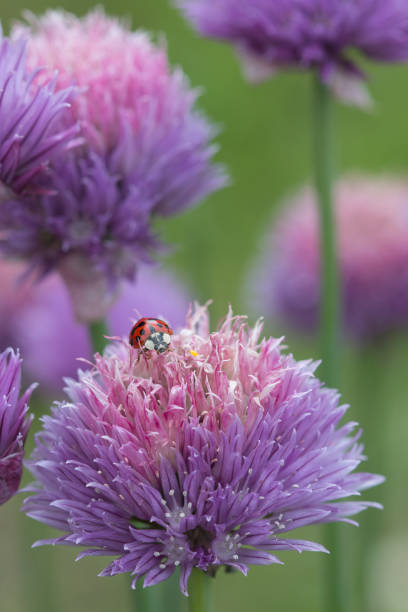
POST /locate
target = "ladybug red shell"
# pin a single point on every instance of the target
(150, 335)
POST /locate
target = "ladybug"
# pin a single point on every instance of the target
(150, 335)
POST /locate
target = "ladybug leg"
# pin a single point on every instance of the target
(140, 351)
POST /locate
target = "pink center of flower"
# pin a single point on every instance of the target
(125, 80)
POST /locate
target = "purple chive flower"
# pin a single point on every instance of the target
(14, 424)
(372, 234)
(34, 121)
(32, 316)
(147, 152)
(270, 35)
(203, 456)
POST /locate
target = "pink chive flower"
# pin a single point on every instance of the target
(203, 456)
(34, 119)
(372, 234)
(32, 315)
(14, 423)
(147, 152)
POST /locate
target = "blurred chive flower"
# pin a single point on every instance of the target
(14, 423)
(32, 316)
(203, 456)
(270, 35)
(146, 152)
(372, 226)
(34, 120)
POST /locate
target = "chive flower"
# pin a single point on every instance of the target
(271, 35)
(14, 423)
(146, 152)
(204, 456)
(372, 244)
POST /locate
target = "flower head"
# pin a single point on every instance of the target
(275, 34)
(372, 229)
(34, 119)
(14, 423)
(32, 315)
(202, 456)
(146, 152)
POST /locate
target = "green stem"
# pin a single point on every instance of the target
(149, 599)
(162, 597)
(336, 598)
(330, 292)
(198, 590)
(97, 332)
(40, 591)
(370, 397)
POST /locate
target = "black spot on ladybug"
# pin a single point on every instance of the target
(142, 332)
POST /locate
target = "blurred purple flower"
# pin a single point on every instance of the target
(32, 120)
(305, 34)
(202, 456)
(372, 229)
(32, 316)
(14, 423)
(146, 152)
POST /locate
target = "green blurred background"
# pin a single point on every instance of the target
(265, 144)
